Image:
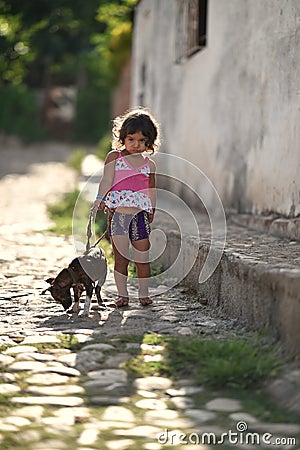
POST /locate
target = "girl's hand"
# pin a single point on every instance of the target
(97, 205)
(102, 205)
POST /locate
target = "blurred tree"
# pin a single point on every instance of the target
(46, 38)
(67, 42)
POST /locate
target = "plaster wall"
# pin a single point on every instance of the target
(233, 108)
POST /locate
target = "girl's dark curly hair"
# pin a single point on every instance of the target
(134, 120)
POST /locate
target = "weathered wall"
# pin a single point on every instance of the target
(233, 108)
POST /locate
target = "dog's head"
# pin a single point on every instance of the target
(60, 288)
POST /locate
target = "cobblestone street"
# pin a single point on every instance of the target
(54, 397)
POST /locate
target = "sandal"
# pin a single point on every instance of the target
(122, 301)
(145, 301)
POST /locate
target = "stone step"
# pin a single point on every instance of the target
(257, 280)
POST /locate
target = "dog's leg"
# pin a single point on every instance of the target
(98, 295)
(76, 307)
(89, 292)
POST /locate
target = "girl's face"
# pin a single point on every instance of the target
(135, 143)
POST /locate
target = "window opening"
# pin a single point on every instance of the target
(196, 25)
(191, 28)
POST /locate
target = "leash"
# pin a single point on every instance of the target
(89, 233)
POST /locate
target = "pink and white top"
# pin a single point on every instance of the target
(130, 186)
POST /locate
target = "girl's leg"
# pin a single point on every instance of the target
(120, 246)
(141, 259)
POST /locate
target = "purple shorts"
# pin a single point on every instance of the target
(137, 225)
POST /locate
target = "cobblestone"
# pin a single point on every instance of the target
(54, 398)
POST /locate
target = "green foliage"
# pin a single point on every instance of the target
(224, 363)
(103, 147)
(19, 113)
(70, 342)
(109, 51)
(76, 159)
(115, 45)
(14, 46)
(100, 223)
(85, 44)
(154, 339)
(156, 268)
(61, 212)
(39, 37)
(65, 206)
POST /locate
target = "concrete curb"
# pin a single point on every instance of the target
(272, 224)
(262, 293)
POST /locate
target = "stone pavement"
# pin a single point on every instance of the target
(55, 398)
(56, 395)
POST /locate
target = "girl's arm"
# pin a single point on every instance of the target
(152, 189)
(106, 180)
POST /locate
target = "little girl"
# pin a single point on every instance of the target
(127, 188)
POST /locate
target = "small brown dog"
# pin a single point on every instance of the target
(84, 272)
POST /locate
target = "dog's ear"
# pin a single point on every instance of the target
(50, 281)
(63, 279)
(44, 291)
